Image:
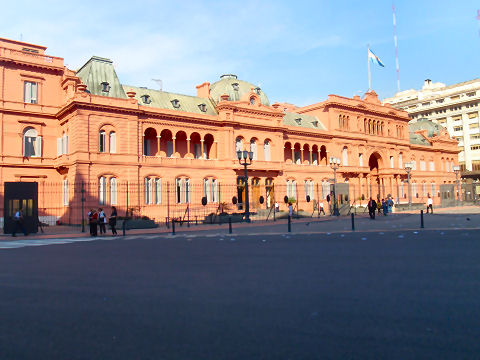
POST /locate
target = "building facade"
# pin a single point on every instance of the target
(455, 107)
(159, 153)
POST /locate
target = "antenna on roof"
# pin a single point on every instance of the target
(159, 83)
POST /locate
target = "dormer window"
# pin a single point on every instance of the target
(315, 123)
(235, 86)
(175, 103)
(257, 90)
(146, 99)
(298, 121)
(105, 86)
(202, 107)
(252, 100)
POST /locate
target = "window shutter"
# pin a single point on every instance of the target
(34, 93)
(113, 142)
(28, 91)
(59, 146)
(38, 146)
(66, 144)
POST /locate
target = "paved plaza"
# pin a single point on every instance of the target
(387, 290)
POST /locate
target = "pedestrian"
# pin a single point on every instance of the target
(385, 208)
(18, 222)
(321, 208)
(372, 208)
(290, 210)
(379, 206)
(429, 203)
(389, 205)
(102, 220)
(112, 221)
(92, 221)
(277, 207)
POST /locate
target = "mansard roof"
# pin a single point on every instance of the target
(303, 120)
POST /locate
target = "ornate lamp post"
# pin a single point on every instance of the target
(247, 157)
(408, 169)
(456, 168)
(335, 164)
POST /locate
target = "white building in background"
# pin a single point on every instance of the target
(455, 107)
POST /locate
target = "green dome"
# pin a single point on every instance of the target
(425, 124)
(236, 89)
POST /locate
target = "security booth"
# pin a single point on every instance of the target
(343, 201)
(447, 195)
(20, 195)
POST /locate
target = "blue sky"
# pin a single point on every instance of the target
(297, 51)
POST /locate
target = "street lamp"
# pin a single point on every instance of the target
(245, 155)
(335, 164)
(456, 168)
(408, 169)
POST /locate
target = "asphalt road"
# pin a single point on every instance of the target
(395, 295)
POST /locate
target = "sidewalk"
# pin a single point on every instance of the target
(443, 218)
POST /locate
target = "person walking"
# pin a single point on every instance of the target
(18, 222)
(430, 204)
(112, 221)
(321, 208)
(102, 220)
(290, 210)
(372, 208)
(385, 208)
(379, 206)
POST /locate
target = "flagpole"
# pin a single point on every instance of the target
(369, 76)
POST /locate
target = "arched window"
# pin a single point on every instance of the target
(292, 189)
(153, 190)
(113, 191)
(360, 159)
(253, 148)
(102, 190)
(325, 189)
(113, 142)
(210, 190)
(238, 145)
(414, 189)
(101, 141)
(32, 143)
(345, 156)
(266, 150)
(309, 189)
(400, 161)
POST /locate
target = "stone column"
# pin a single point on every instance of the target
(204, 155)
(143, 144)
(173, 146)
(158, 145)
(311, 157)
(293, 155)
(188, 146)
(318, 157)
(215, 143)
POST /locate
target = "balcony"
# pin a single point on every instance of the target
(32, 58)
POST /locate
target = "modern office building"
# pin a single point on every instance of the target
(455, 107)
(88, 140)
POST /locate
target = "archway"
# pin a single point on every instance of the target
(375, 163)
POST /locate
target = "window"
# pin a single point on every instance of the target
(457, 128)
(175, 103)
(210, 190)
(65, 192)
(235, 86)
(253, 148)
(197, 151)
(423, 165)
(298, 121)
(252, 101)
(169, 148)
(414, 190)
(475, 147)
(266, 150)
(101, 141)
(309, 189)
(345, 156)
(113, 142)
(182, 190)
(315, 158)
(30, 92)
(325, 189)
(146, 99)
(360, 159)
(473, 126)
(391, 162)
(105, 87)
(153, 190)
(431, 166)
(432, 189)
(203, 107)
(292, 189)
(425, 190)
(32, 143)
(62, 145)
(402, 190)
(238, 145)
(113, 191)
(257, 90)
(102, 190)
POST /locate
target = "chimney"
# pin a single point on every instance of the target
(203, 90)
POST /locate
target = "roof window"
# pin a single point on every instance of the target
(202, 107)
(298, 121)
(105, 87)
(175, 103)
(315, 123)
(235, 86)
(146, 99)
(257, 90)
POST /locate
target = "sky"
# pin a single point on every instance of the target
(296, 51)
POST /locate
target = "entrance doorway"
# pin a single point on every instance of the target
(255, 192)
(269, 193)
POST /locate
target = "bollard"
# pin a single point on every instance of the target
(289, 223)
(229, 224)
(123, 226)
(353, 222)
(421, 219)
(173, 226)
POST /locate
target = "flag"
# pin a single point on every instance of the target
(374, 58)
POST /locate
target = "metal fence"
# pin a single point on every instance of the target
(162, 201)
